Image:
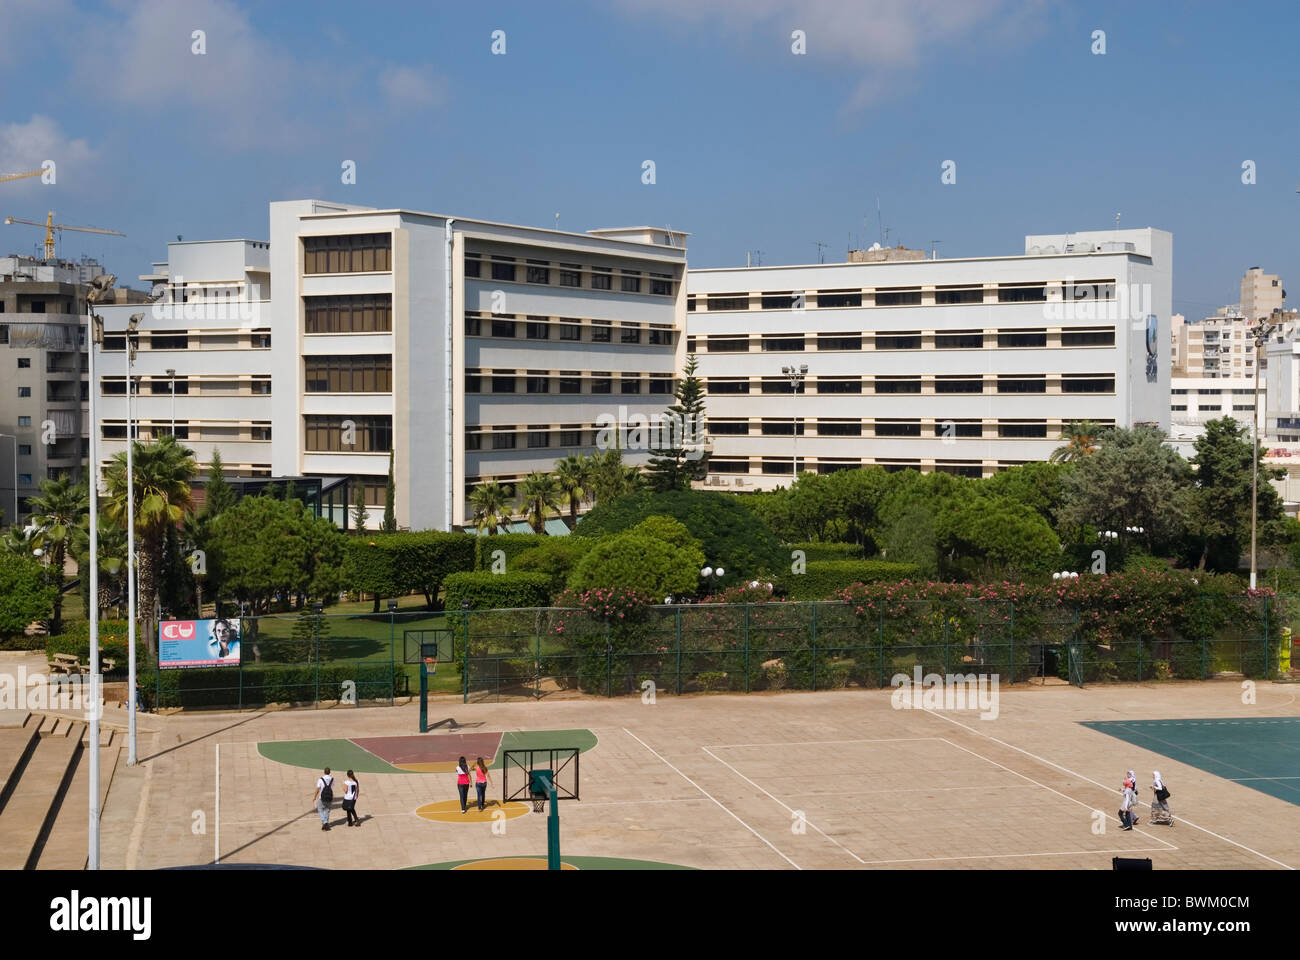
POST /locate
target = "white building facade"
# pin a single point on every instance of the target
(964, 365)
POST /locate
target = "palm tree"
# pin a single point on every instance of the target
(112, 561)
(490, 502)
(56, 514)
(539, 494)
(574, 476)
(163, 471)
(1081, 440)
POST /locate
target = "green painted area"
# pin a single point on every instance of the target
(346, 755)
(582, 863)
(1262, 753)
(584, 740)
(338, 755)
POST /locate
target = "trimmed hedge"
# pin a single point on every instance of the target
(829, 551)
(255, 685)
(554, 556)
(823, 578)
(395, 564)
(497, 591)
(511, 544)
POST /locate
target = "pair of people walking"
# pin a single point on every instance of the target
(325, 796)
(1129, 800)
(481, 780)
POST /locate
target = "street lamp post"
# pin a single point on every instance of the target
(712, 575)
(796, 376)
(13, 518)
(1263, 330)
(95, 330)
(132, 339)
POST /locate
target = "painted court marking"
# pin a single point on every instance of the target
(713, 798)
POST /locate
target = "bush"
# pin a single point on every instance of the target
(254, 685)
(555, 557)
(394, 564)
(829, 551)
(774, 675)
(712, 680)
(823, 578)
(497, 591)
(641, 562)
(511, 544)
(25, 596)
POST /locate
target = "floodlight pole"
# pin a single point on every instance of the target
(796, 376)
(1261, 334)
(132, 599)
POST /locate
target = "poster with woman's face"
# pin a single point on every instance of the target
(198, 643)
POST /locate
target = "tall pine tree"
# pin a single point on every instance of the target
(683, 457)
(359, 513)
(389, 524)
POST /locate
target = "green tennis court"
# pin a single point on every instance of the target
(1262, 753)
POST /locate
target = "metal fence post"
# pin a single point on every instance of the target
(814, 662)
(1268, 640)
(392, 656)
(679, 651)
(315, 629)
(465, 662)
(1011, 648)
(880, 641)
(814, 625)
(747, 648)
(609, 664)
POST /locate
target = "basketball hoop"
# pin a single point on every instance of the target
(431, 664)
(539, 805)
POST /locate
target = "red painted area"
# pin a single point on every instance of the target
(446, 748)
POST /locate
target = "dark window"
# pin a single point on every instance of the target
(727, 344)
(327, 433)
(24, 449)
(629, 334)
(630, 385)
(835, 342)
(831, 466)
(602, 382)
(728, 386)
(778, 301)
(570, 275)
(787, 342)
(37, 306)
(781, 385)
(24, 391)
(1022, 430)
(631, 282)
(729, 427)
(503, 384)
(661, 284)
(539, 384)
(898, 297)
(503, 268)
(538, 331)
(111, 431)
(1098, 383)
(538, 271)
(958, 384)
(1013, 293)
(600, 332)
(260, 341)
(473, 265)
(690, 305)
(349, 374)
(839, 385)
(1022, 338)
(473, 441)
(728, 466)
(169, 341)
(898, 341)
(473, 326)
(958, 428)
(661, 384)
(898, 385)
(538, 436)
(1090, 290)
(503, 441)
(778, 466)
(570, 438)
(367, 313)
(839, 428)
(570, 331)
(570, 381)
(114, 344)
(1022, 384)
(24, 363)
(959, 340)
(780, 428)
(945, 295)
(661, 338)
(602, 278)
(728, 301)
(839, 298)
(114, 387)
(352, 253)
(503, 328)
(473, 383)
(898, 428)
(1088, 338)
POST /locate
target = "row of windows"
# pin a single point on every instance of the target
(352, 253)
(779, 466)
(900, 340)
(507, 269)
(147, 430)
(972, 383)
(944, 429)
(535, 437)
(365, 313)
(905, 296)
(182, 340)
(542, 328)
(337, 434)
(208, 386)
(567, 382)
(349, 374)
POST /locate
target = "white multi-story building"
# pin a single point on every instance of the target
(964, 365)
(1218, 346)
(473, 351)
(203, 366)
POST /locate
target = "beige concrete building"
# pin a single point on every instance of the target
(1261, 294)
(1219, 346)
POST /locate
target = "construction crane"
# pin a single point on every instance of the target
(19, 176)
(50, 226)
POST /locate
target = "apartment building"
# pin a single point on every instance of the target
(963, 365)
(1218, 346)
(1261, 294)
(472, 351)
(203, 364)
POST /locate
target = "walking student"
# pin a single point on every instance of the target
(324, 797)
(481, 781)
(462, 782)
(1161, 792)
(351, 789)
(1126, 802)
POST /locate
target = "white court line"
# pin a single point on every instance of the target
(216, 789)
(1102, 786)
(1239, 779)
(789, 809)
(813, 743)
(1008, 856)
(714, 799)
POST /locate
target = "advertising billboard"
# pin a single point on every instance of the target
(198, 643)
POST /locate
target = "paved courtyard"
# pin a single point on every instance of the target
(766, 781)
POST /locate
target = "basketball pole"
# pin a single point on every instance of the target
(553, 830)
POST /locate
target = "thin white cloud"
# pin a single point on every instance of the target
(26, 146)
(413, 87)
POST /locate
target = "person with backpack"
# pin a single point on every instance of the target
(351, 789)
(324, 797)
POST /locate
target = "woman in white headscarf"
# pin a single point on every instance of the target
(1161, 792)
(1132, 784)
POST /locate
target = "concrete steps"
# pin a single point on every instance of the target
(37, 786)
(65, 847)
(17, 744)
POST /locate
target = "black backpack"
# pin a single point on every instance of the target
(327, 791)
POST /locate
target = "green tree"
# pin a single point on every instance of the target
(911, 537)
(574, 476)
(1037, 484)
(360, 515)
(25, 596)
(218, 495)
(988, 537)
(539, 495)
(389, 524)
(684, 457)
(611, 478)
(636, 559)
(163, 471)
(111, 550)
(1080, 438)
(56, 515)
(491, 505)
(1219, 514)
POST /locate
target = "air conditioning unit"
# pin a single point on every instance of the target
(740, 482)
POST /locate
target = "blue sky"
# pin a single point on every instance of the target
(755, 147)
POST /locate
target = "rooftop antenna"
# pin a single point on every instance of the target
(880, 222)
(557, 220)
(886, 233)
(753, 258)
(934, 255)
(821, 246)
(1117, 223)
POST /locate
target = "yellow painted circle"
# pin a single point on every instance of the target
(431, 766)
(448, 811)
(511, 863)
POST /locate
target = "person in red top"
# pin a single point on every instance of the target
(481, 781)
(462, 782)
